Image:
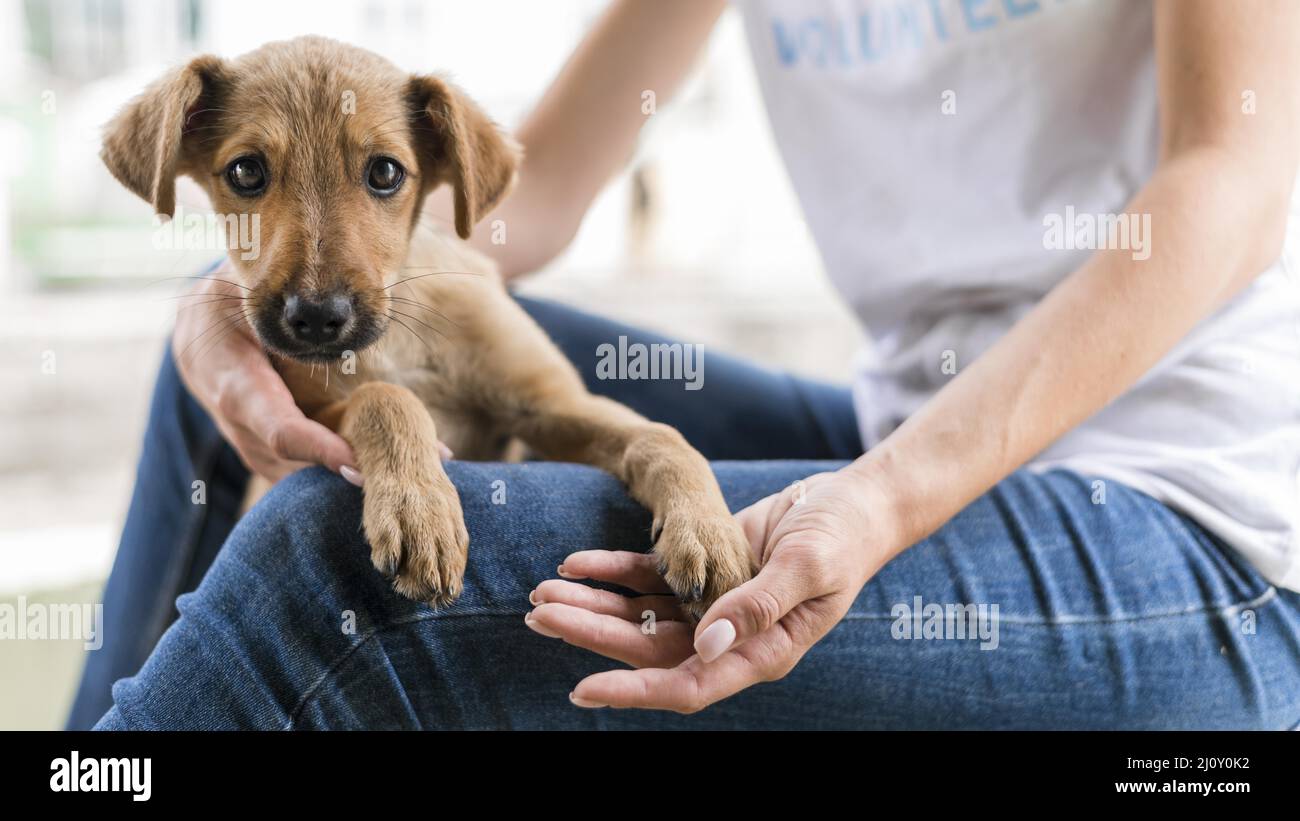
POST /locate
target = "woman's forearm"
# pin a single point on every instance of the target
(1214, 227)
(1218, 203)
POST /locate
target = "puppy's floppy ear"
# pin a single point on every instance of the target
(146, 144)
(460, 145)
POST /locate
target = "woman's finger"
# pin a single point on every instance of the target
(687, 688)
(635, 571)
(606, 602)
(299, 439)
(653, 643)
(756, 606)
(781, 504)
(753, 521)
(264, 405)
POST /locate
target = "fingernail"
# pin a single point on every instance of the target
(715, 639)
(531, 600)
(352, 475)
(582, 702)
(560, 569)
(536, 627)
(447, 455)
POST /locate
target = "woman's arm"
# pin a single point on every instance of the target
(1218, 203)
(586, 125)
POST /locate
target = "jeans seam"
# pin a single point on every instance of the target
(333, 667)
(1222, 610)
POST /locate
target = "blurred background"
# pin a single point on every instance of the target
(700, 237)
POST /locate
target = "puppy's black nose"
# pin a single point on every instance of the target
(317, 320)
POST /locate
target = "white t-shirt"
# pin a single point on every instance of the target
(949, 155)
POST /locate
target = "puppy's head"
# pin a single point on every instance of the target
(329, 150)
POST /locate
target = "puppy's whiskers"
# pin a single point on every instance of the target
(417, 305)
(412, 333)
(209, 278)
(430, 274)
(227, 324)
(204, 333)
(421, 306)
(392, 311)
(224, 301)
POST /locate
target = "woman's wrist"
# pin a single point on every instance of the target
(883, 517)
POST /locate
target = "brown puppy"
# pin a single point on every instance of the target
(334, 150)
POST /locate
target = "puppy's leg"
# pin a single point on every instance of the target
(529, 389)
(412, 515)
(702, 550)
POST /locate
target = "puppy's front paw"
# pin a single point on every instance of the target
(417, 536)
(702, 555)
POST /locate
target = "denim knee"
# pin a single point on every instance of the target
(304, 540)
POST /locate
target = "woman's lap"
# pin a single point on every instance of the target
(1091, 630)
(741, 411)
(1119, 614)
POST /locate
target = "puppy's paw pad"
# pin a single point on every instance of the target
(702, 558)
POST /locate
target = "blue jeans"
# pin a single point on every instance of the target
(1116, 615)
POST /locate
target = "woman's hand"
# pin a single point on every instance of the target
(229, 374)
(817, 542)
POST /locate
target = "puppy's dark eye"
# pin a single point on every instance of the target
(247, 176)
(384, 176)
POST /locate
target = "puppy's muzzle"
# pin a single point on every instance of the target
(317, 326)
(318, 320)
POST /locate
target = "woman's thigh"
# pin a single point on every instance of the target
(189, 486)
(1110, 615)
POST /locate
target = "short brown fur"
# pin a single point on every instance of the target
(481, 374)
